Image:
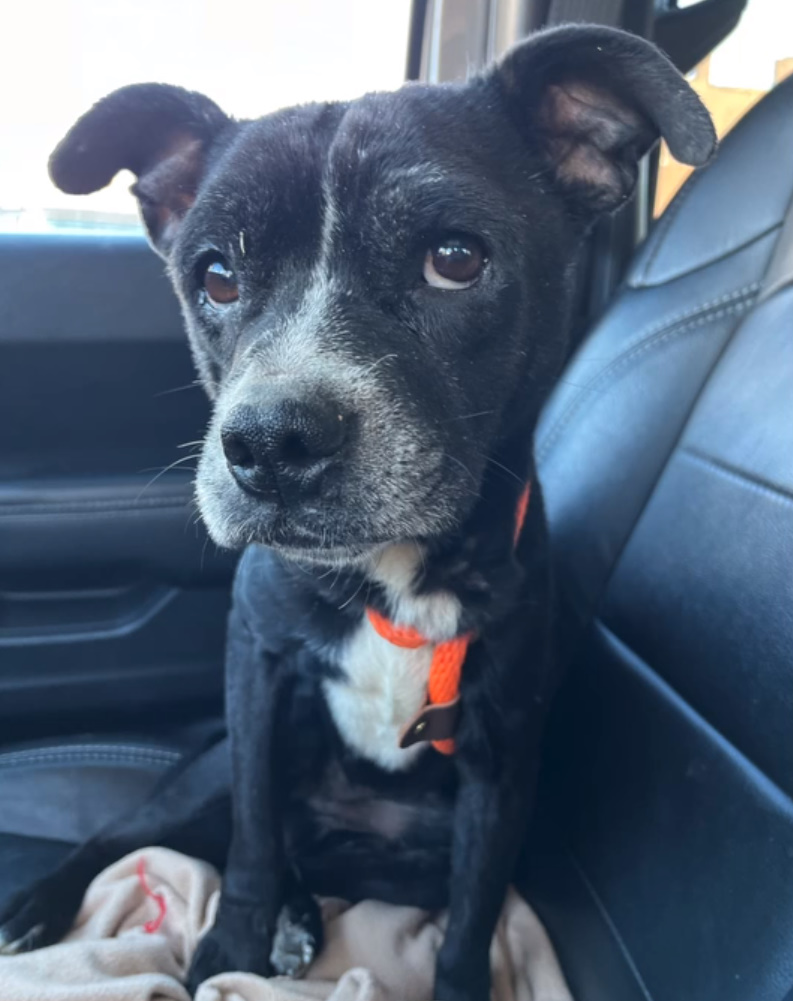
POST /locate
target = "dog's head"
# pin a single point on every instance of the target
(376, 291)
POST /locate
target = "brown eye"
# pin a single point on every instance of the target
(220, 284)
(454, 263)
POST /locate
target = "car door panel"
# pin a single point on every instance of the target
(111, 593)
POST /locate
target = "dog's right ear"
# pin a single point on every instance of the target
(161, 133)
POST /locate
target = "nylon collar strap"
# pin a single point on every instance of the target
(437, 721)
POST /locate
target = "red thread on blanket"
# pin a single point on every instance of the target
(154, 925)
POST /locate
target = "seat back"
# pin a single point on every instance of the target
(666, 456)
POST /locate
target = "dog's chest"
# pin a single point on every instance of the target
(384, 686)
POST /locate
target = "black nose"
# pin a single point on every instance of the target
(283, 447)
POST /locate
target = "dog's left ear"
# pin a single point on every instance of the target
(595, 100)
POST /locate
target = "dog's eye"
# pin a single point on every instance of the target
(454, 263)
(220, 283)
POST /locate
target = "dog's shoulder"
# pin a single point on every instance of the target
(265, 600)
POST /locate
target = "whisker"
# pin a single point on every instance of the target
(465, 469)
(500, 465)
(195, 384)
(304, 570)
(182, 458)
(353, 596)
(204, 552)
(468, 417)
(162, 472)
(420, 551)
(379, 361)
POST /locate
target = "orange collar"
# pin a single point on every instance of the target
(443, 687)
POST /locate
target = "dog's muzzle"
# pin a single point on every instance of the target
(284, 447)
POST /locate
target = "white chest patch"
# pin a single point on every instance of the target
(383, 689)
(385, 686)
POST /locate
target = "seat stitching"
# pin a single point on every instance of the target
(641, 667)
(667, 219)
(81, 755)
(97, 746)
(727, 252)
(728, 341)
(744, 478)
(70, 754)
(657, 335)
(37, 508)
(701, 310)
(84, 765)
(89, 759)
(604, 913)
(789, 996)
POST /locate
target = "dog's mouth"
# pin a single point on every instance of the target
(336, 556)
(317, 544)
(317, 537)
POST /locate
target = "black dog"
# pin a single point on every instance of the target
(377, 296)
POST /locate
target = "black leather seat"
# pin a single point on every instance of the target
(55, 795)
(667, 459)
(663, 856)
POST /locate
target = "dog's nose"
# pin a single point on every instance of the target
(284, 445)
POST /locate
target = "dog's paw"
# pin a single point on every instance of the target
(239, 942)
(38, 916)
(298, 937)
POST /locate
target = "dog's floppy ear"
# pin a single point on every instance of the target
(160, 133)
(595, 100)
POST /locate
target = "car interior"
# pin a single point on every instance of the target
(661, 854)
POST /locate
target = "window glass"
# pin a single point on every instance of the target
(747, 64)
(250, 56)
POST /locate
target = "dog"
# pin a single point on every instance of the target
(377, 297)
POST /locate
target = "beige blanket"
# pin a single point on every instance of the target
(373, 952)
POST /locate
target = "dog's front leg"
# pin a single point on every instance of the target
(508, 680)
(254, 880)
(505, 698)
(490, 822)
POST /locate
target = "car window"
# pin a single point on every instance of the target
(251, 56)
(747, 64)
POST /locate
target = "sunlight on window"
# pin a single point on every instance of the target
(747, 64)
(251, 56)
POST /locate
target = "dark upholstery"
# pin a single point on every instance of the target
(667, 461)
(662, 859)
(54, 795)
